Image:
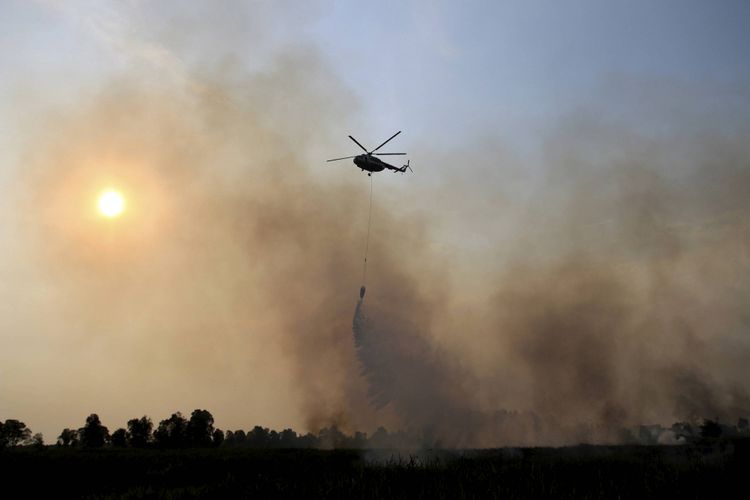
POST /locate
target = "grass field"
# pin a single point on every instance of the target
(694, 471)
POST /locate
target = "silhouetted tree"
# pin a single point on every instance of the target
(258, 437)
(288, 439)
(172, 432)
(710, 429)
(93, 434)
(218, 437)
(68, 437)
(37, 440)
(240, 438)
(200, 428)
(14, 432)
(119, 438)
(139, 431)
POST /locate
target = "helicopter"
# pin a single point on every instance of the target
(370, 162)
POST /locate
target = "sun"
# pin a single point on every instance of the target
(111, 203)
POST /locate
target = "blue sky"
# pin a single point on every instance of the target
(513, 67)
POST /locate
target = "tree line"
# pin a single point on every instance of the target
(198, 431)
(177, 431)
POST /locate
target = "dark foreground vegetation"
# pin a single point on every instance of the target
(187, 457)
(704, 469)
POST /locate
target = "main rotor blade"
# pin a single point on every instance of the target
(386, 141)
(358, 144)
(383, 154)
(344, 158)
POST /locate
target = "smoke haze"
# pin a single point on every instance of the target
(600, 285)
(611, 293)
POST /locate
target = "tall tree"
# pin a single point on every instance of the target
(200, 428)
(258, 437)
(14, 432)
(93, 434)
(139, 431)
(120, 438)
(172, 432)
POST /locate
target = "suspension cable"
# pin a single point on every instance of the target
(367, 240)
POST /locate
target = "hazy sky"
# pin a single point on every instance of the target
(532, 128)
(441, 71)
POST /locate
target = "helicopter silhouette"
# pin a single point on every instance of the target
(370, 162)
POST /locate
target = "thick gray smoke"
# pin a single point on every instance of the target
(625, 300)
(617, 296)
(402, 367)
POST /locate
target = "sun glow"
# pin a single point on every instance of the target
(111, 203)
